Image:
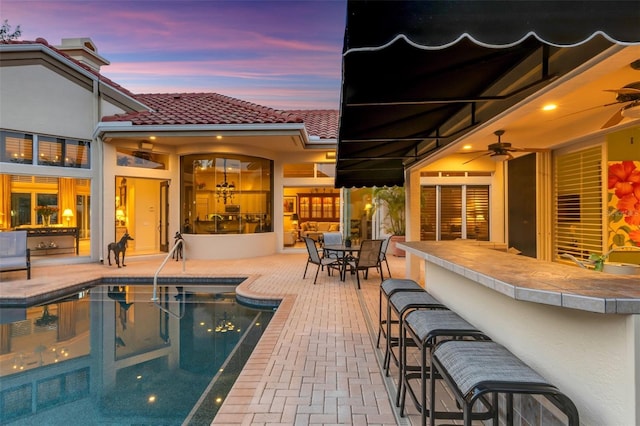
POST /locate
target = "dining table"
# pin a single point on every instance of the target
(343, 253)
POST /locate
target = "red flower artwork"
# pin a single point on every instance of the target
(623, 177)
(624, 183)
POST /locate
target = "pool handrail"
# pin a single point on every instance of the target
(154, 298)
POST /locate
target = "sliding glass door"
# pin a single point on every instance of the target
(449, 212)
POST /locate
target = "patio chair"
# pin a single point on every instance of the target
(383, 254)
(368, 257)
(314, 257)
(329, 239)
(14, 254)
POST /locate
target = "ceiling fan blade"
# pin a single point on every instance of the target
(584, 110)
(624, 91)
(477, 151)
(529, 149)
(615, 119)
(479, 156)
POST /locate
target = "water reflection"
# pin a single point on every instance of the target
(43, 335)
(112, 346)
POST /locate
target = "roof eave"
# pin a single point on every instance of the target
(127, 128)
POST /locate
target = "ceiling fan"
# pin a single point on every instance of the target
(629, 96)
(501, 151)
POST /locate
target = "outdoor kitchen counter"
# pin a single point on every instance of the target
(579, 328)
(532, 280)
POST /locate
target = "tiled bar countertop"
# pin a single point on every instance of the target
(580, 329)
(527, 279)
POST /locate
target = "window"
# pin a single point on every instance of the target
(326, 170)
(304, 170)
(141, 159)
(47, 200)
(449, 212)
(309, 170)
(51, 151)
(477, 210)
(227, 193)
(28, 192)
(578, 203)
(21, 211)
(16, 147)
(428, 213)
(77, 154)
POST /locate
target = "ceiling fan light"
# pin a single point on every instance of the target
(498, 158)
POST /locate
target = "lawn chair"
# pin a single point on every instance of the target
(314, 257)
(368, 257)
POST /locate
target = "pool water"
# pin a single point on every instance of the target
(109, 355)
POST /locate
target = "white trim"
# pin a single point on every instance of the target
(483, 44)
(128, 126)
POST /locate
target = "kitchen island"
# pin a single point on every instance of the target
(579, 328)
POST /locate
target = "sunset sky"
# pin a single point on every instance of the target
(281, 54)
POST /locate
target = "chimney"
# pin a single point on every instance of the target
(83, 50)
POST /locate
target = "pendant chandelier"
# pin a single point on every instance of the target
(225, 190)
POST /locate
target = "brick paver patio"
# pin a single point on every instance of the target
(316, 363)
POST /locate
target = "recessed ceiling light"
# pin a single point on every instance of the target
(153, 138)
(467, 147)
(549, 107)
(219, 137)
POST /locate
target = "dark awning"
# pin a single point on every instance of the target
(418, 75)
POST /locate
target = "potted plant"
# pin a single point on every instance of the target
(393, 198)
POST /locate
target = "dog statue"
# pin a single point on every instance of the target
(119, 248)
(177, 254)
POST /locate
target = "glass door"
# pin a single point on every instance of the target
(164, 216)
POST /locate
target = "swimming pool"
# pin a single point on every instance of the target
(109, 355)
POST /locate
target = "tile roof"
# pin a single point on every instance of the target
(87, 68)
(201, 108)
(320, 122)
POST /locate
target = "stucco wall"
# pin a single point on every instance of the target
(231, 246)
(36, 99)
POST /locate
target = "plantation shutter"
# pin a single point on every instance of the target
(450, 212)
(428, 214)
(478, 212)
(578, 211)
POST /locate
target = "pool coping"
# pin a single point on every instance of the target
(244, 293)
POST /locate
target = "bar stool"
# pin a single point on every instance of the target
(425, 329)
(387, 289)
(401, 304)
(474, 369)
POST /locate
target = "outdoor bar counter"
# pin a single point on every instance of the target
(579, 328)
